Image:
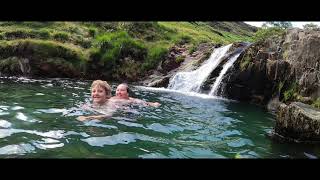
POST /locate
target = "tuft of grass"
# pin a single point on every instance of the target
(180, 59)
(245, 62)
(61, 36)
(316, 103)
(193, 49)
(93, 31)
(291, 93)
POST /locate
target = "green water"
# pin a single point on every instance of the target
(38, 120)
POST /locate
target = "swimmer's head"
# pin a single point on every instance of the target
(122, 91)
(100, 91)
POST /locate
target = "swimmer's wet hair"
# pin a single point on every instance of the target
(102, 84)
(127, 87)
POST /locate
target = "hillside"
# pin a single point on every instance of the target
(108, 50)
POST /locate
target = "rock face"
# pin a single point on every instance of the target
(282, 69)
(301, 49)
(268, 69)
(50, 67)
(298, 122)
(173, 60)
(255, 75)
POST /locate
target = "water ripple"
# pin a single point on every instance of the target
(51, 110)
(5, 124)
(97, 123)
(58, 134)
(121, 138)
(23, 117)
(164, 129)
(20, 149)
(17, 108)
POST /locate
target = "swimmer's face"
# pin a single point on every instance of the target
(122, 92)
(99, 95)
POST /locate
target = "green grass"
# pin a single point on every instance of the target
(201, 33)
(180, 59)
(291, 94)
(264, 33)
(40, 49)
(69, 32)
(117, 45)
(156, 52)
(236, 38)
(192, 49)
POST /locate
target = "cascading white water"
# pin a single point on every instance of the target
(223, 71)
(192, 81)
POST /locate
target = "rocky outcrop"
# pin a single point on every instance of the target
(255, 75)
(298, 122)
(272, 67)
(173, 60)
(28, 67)
(277, 70)
(301, 50)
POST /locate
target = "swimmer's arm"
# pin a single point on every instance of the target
(153, 104)
(139, 101)
(99, 117)
(86, 107)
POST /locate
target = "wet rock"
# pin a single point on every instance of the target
(298, 122)
(273, 104)
(162, 82)
(301, 50)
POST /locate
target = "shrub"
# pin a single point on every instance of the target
(155, 55)
(180, 59)
(193, 49)
(118, 45)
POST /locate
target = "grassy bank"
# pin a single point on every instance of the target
(114, 50)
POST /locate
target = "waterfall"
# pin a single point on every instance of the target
(192, 81)
(223, 71)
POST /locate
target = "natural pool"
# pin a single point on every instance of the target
(38, 120)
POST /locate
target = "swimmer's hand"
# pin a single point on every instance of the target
(154, 104)
(99, 117)
(86, 107)
(82, 118)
